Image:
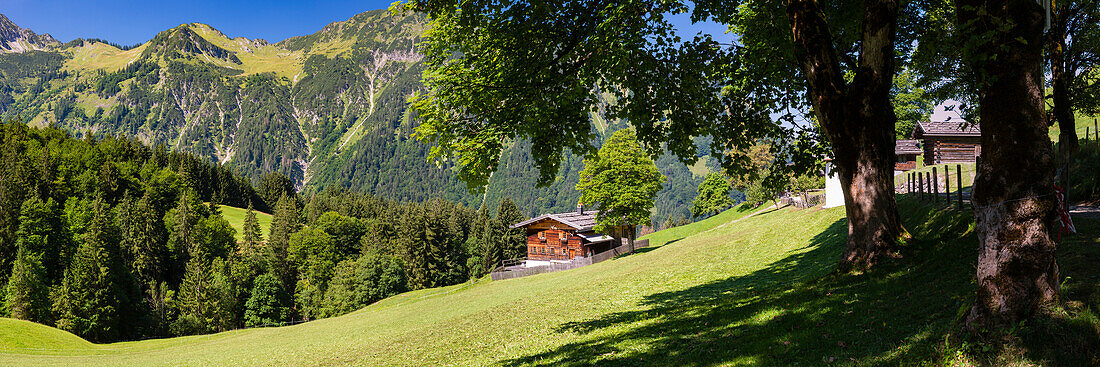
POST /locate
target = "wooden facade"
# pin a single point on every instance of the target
(906, 152)
(948, 141)
(563, 237)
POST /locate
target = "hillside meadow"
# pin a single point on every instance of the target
(758, 291)
(235, 217)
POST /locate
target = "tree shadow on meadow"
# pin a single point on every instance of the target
(794, 311)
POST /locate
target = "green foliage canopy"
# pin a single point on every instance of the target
(714, 195)
(540, 70)
(622, 181)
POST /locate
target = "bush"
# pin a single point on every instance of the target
(187, 324)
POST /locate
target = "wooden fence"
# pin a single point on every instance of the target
(511, 271)
(936, 186)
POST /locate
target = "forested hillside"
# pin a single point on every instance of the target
(326, 110)
(112, 240)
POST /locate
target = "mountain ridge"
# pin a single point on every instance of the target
(16, 39)
(327, 109)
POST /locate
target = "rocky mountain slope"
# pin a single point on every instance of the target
(327, 109)
(16, 39)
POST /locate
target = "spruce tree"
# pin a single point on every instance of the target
(28, 292)
(93, 298)
(28, 285)
(252, 237)
(205, 298)
(285, 222)
(13, 190)
(513, 240)
(146, 241)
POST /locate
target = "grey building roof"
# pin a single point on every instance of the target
(946, 128)
(579, 221)
(907, 146)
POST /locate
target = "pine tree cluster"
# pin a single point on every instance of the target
(113, 240)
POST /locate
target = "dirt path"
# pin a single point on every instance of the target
(746, 217)
(1084, 211)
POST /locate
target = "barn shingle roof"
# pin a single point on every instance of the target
(907, 146)
(579, 221)
(946, 128)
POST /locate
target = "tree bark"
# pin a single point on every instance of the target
(859, 122)
(1013, 196)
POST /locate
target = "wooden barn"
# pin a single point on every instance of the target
(563, 237)
(906, 152)
(948, 141)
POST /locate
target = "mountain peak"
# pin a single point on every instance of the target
(184, 42)
(16, 39)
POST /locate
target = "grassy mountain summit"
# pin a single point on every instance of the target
(325, 109)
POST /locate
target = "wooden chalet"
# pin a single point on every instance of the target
(906, 151)
(948, 141)
(564, 236)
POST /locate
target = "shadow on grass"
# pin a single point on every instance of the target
(793, 311)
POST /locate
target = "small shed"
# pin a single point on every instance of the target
(562, 237)
(906, 151)
(949, 141)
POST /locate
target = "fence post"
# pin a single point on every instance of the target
(909, 182)
(928, 181)
(959, 177)
(920, 185)
(935, 186)
(947, 183)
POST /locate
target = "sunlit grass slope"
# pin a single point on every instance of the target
(26, 335)
(235, 217)
(760, 291)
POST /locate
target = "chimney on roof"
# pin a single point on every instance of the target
(580, 208)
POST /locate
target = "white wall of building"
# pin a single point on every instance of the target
(834, 196)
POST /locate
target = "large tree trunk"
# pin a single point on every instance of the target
(859, 121)
(1013, 201)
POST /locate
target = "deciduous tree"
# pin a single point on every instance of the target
(537, 70)
(1014, 206)
(714, 195)
(269, 303)
(622, 181)
(1073, 52)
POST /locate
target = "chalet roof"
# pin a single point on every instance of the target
(579, 221)
(907, 146)
(946, 128)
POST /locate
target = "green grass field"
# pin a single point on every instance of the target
(235, 217)
(1084, 123)
(760, 291)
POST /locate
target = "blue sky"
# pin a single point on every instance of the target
(128, 22)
